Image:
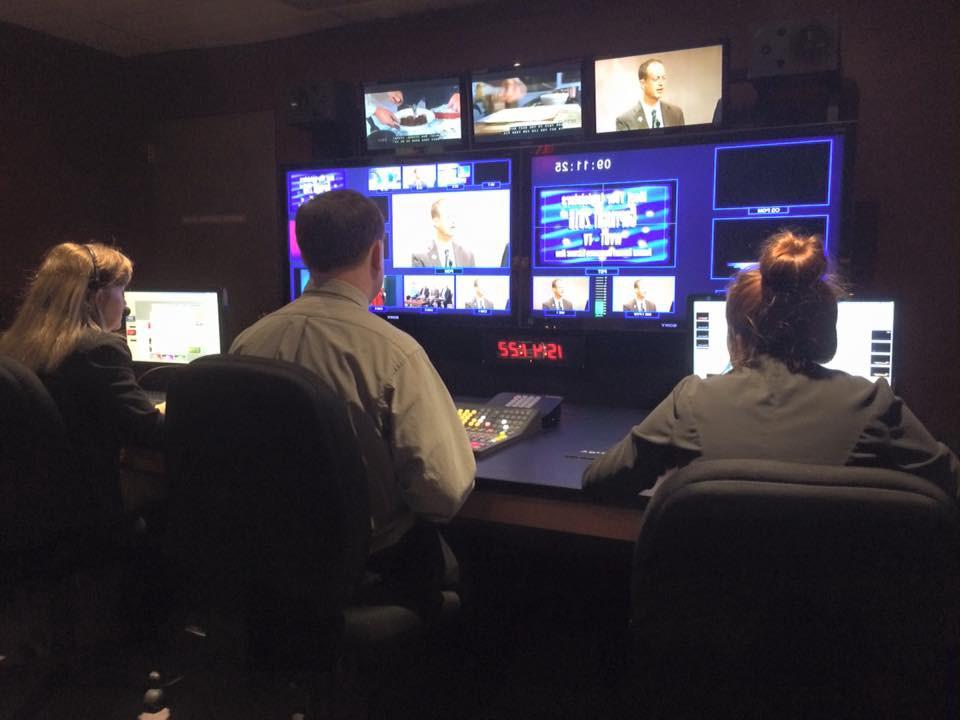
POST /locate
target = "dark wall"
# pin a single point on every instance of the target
(901, 56)
(65, 136)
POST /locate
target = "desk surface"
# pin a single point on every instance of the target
(536, 482)
(557, 456)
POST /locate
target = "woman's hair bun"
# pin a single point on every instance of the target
(790, 262)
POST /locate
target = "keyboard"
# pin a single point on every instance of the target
(491, 427)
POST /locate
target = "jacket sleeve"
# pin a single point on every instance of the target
(665, 439)
(895, 438)
(136, 420)
(432, 458)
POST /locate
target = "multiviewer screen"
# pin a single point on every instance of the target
(172, 327)
(864, 338)
(622, 238)
(447, 232)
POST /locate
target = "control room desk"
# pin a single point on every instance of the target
(533, 483)
(536, 482)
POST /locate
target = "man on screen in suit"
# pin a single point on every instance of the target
(557, 302)
(479, 301)
(640, 302)
(443, 250)
(651, 111)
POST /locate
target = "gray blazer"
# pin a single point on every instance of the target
(824, 417)
(635, 119)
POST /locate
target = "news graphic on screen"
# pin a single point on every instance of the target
(659, 90)
(172, 326)
(623, 237)
(864, 338)
(412, 113)
(446, 230)
(527, 103)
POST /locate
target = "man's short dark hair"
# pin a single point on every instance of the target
(336, 229)
(642, 70)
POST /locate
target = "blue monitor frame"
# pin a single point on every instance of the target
(474, 182)
(688, 236)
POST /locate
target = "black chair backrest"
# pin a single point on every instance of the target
(770, 564)
(268, 498)
(42, 495)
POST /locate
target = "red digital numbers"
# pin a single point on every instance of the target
(530, 350)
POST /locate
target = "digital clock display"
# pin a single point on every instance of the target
(530, 350)
(559, 352)
(582, 165)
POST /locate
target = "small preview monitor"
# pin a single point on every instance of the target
(535, 103)
(446, 231)
(864, 338)
(406, 114)
(622, 237)
(668, 89)
(173, 326)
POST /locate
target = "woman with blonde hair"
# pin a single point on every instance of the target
(779, 402)
(65, 331)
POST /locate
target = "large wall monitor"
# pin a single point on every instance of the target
(621, 238)
(864, 338)
(408, 114)
(447, 231)
(172, 326)
(659, 90)
(537, 103)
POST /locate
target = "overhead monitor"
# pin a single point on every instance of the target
(661, 90)
(622, 237)
(527, 104)
(412, 114)
(173, 326)
(447, 232)
(864, 338)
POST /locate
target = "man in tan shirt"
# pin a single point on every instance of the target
(418, 459)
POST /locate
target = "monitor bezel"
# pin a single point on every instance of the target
(222, 309)
(412, 149)
(867, 297)
(707, 135)
(409, 321)
(670, 132)
(564, 136)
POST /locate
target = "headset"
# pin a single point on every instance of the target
(95, 282)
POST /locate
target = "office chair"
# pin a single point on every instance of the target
(771, 589)
(43, 497)
(268, 515)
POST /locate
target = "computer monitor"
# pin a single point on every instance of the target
(412, 114)
(676, 88)
(621, 238)
(539, 103)
(864, 338)
(447, 232)
(173, 326)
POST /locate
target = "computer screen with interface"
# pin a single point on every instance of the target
(172, 326)
(622, 238)
(446, 232)
(864, 338)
